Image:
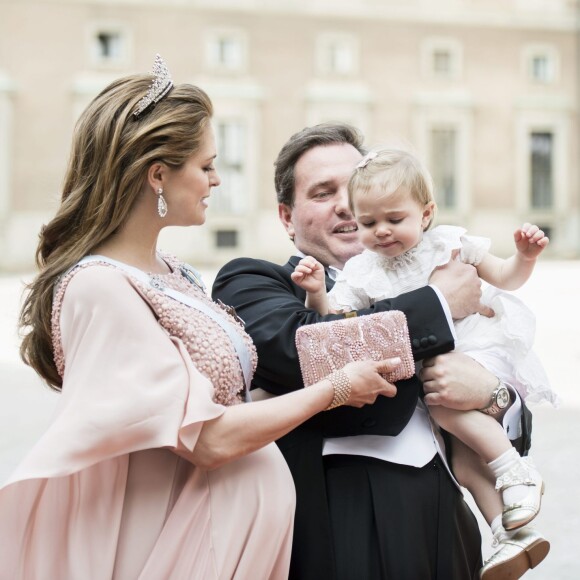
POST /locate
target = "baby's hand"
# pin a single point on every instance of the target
(309, 275)
(530, 241)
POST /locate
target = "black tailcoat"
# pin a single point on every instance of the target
(272, 307)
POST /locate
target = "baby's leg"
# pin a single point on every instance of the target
(473, 473)
(517, 550)
(477, 430)
(518, 480)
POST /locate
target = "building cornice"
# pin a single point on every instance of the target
(459, 99)
(514, 14)
(561, 103)
(241, 89)
(339, 91)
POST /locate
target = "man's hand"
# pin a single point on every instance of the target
(461, 287)
(456, 381)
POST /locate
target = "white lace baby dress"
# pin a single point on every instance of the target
(504, 340)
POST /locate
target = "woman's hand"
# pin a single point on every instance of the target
(242, 429)
(366, 381)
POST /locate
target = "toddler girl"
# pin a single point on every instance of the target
(391, 196)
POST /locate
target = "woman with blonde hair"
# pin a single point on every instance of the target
(157, 464)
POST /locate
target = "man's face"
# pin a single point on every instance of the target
(320, 221)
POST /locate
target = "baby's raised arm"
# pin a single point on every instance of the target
(309, 275)
(513, 272)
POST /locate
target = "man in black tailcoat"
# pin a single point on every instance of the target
(359, 516)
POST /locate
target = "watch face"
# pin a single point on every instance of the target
(502, 397)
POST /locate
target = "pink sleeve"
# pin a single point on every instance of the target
(127, 384)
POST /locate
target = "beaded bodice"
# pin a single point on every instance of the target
(206, 342)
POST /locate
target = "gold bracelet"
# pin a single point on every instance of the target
(342, 387)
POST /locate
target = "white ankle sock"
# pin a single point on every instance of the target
(503, 464)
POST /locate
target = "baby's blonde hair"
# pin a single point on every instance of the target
(390, 168)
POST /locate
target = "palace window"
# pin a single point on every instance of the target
(441, 58)
(541, 170)
(226, 239)
(109, 45)
(443, 165)
(540, 63)
(336, 54)
(231, 164)
(226, 50)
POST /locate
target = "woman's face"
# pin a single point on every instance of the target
(187, 190)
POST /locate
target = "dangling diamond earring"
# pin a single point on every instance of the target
(161, 203)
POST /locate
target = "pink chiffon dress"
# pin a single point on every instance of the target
(109, 491)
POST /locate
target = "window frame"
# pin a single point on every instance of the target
(125, 39)
(234, 203)
(430, 46)
(550, 53)
(324, 42)
(433, 111)
(217, 35)
(432, 164)
(538, 121)
(531, 154)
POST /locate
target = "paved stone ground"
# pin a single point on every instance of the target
(26, 406)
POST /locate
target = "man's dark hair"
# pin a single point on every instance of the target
(303, 141)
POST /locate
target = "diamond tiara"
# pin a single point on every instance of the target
(161, 85)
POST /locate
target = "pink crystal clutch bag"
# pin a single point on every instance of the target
(327, 346)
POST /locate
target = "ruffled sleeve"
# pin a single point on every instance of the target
(345, 298)
(349, 291)
(439, 244)
(473, 249)
(127, 384)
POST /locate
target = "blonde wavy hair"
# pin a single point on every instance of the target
(390, 168)
(110, 155)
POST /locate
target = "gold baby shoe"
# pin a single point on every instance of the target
(516, 555)
(519, 514)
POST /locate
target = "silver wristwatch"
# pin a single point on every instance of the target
(500, 399)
